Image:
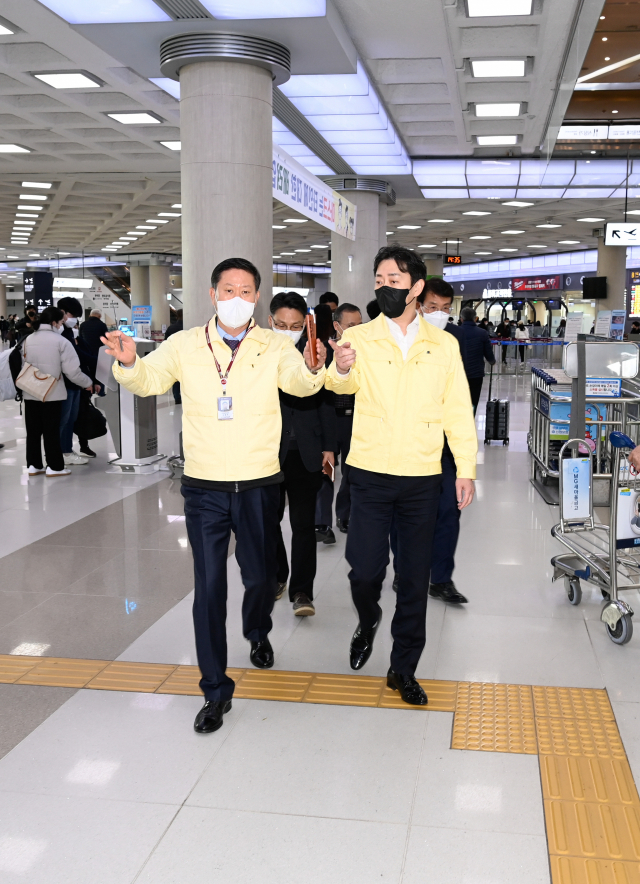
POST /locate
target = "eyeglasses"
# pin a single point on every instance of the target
(282, 326)
(431, 308)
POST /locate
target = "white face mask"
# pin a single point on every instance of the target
(235, 312)
(438, 318)
(71, 322)
(57, 329)
(294, 335)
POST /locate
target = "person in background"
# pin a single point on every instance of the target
(92, 331)
(176, 326)
(634, 330)
(25, 325)
(476, 348)
(522, 336)
(72, 309)
(373, 309)
(484, 324)
(232, 433)
(4, 329)
(504, 331)
(346, 317)
(50, 352)
(306, 448)
(331, 299)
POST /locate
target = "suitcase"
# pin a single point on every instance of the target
(497, 419)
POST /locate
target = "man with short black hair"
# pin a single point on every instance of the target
(72, 309)
(230, 371)
(331, 299)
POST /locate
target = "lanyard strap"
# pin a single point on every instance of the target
(224, 377)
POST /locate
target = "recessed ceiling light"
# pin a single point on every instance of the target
(156, 221)
(480, 237)
(303, 250)
(511, 232)
(440, 221)
(320, 247)
(389, 232)
(633, 212)
(24, 223)
(548, 226)
(135, 118)
(145, 227)
(176, 206)
(23, 215)
(614, 112)
(454, 242)
(44, 185)
(518, 204)
(604, 39)
(13, 148)
(409, 226)
(32, 208)
(568, 242)
(498, 109)
(319, 264)
(33, 196)
(427, 246)
(287, 253)
(498, 67)
(172, 145)
(607, 58)
(136, 233)
(483, 253)
(169, 214)
(476, 213)
(507, 250)
(279, 226)
(496, 140)
(498, 7)
(69, 80)
(537, 247)
(590, 220)
(35, 255)
(295, 220)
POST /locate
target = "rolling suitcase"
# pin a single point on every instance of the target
(497, 419)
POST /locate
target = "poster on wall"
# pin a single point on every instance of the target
(603, 323)
(537, 284)
(617, 324)
(634, 294)
(573, 327)
(298, 188)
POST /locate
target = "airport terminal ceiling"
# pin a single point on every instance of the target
(112, 179)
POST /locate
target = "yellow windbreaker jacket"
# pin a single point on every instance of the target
(235, 450)
(404, 408)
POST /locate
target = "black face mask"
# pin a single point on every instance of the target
(392, 301)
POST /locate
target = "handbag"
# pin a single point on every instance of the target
(91, 422)
(35, 382)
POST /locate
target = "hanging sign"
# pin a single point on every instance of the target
(620, 234)
(295, 186)
(576, 476)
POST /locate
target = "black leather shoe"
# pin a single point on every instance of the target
(396, 582)
(324, 534)
(262, 654)
(447, 592)
(209, 719)
(410, 690)
(362, 644)
(343, 525)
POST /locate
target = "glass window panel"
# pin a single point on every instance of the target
(492, 193)
(448, 173)
(457, 193)
(587, 193)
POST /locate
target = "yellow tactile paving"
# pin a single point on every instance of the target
(63, 672)
(345, 690)
(572, 703)
(494, 718)
(579, 736)
(12, 668)
(603, 780)
(441, 694)
(272, 685)
(139, 677)
(579, 870)
(601, 831)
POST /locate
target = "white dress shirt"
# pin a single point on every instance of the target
(404, 341)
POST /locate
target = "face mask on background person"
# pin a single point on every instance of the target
(438, 318)
(71, 322)
(58, 329)
(235, 312)
(392, 301)
(294, 335)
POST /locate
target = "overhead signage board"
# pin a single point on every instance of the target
(621, 234)
(38, 289)
(298, 188)
(452, 259)
(537, 284)
(586, 133)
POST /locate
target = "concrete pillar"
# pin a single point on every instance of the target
(159, 286)
(612, 263)
(139, 285)
(434, 265)
(382, 224)
(3, 300)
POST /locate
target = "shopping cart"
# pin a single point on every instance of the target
(608, 556)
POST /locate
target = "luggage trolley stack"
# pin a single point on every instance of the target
(607, 556)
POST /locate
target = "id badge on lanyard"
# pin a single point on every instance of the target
(225, 408)
(225, 403)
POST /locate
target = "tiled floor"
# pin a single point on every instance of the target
(115, 788)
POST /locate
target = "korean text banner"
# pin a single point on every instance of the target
(294, 186)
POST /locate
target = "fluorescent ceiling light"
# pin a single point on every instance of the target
(409, 226)
(548, 226)
(24, 223)
(13, 148)
(108, 249)
(32, 208)
(71, 282)
(64, 253)
(136, 233)
(36, 255)
(507, 250)
(476, 213)
(69, 80)
(78, 12)
(568, 242)
(498, 7)
(496, 140)
(169, 214)
(129, 238)
(454, 242)
(501, 109)
(136, 118)
(609, 67)
(279, 226)
(266, 8)
(33, 196)
(145, 227)
(632, 212)
(295, 220)
(318, 263)
(25, 215)
(518, 204)
(172, 145)
(425, 246)
(498, 67)
(287, 253)
(43, 184)
(440, 221)
(537, 247)
(176, 206)
(156, 221)
(591, 220)
(484, 236)
(303, 250)
(326, 247)
(483, 253)
(511, 232)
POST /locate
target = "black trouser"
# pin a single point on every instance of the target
(521, 348)
(475, 388)
(301, 488)
(376, 499)
(344, 427)
(42, 422)
(177, 396)
(210, 517)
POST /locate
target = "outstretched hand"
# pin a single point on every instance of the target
(345, 356)
(120, 346)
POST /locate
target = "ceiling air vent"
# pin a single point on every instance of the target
(184, 9)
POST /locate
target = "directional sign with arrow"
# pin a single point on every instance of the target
(620, 234)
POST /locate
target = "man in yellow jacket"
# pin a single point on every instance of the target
(229, 371)
(410, 389)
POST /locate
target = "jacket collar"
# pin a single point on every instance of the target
(378, 330)
(255, 333)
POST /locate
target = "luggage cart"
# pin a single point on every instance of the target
(597, 552)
